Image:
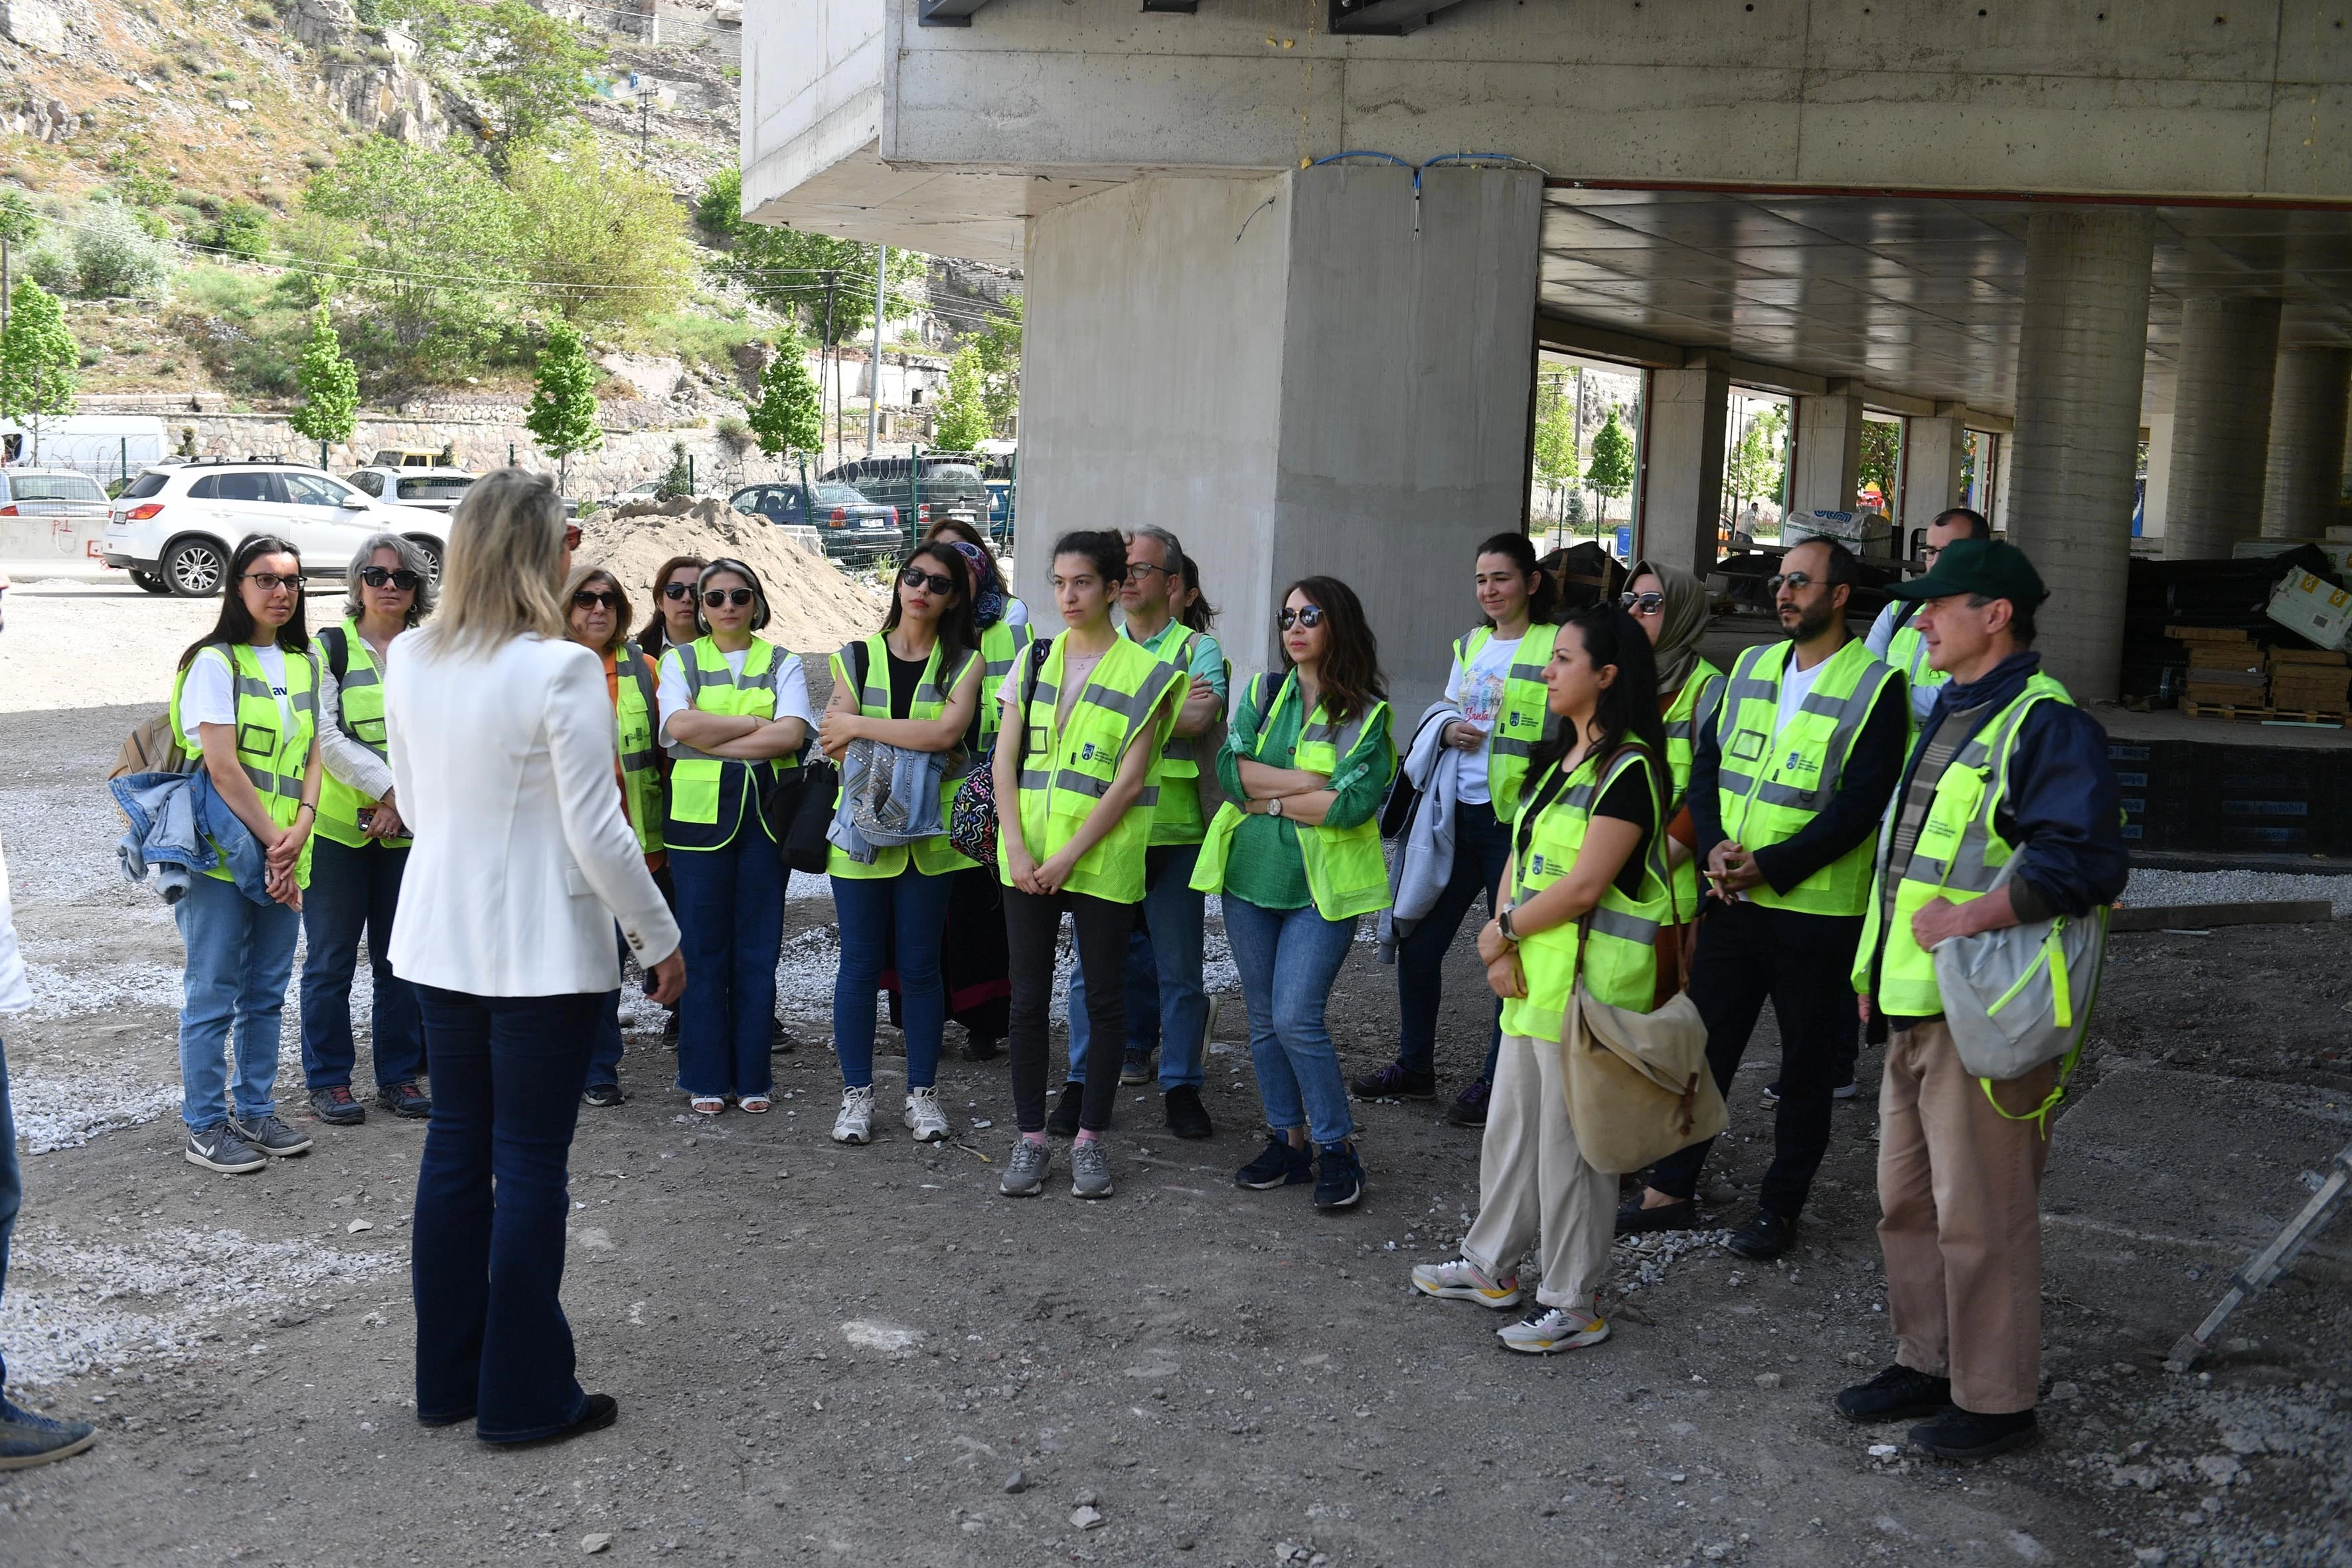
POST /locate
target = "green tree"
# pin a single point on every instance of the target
(789, 415)
(38, 359)
(242, 230)
(999, 346)
(435, 238)
(678, 478)
(17, 219)
(1611, 472)
(962, 423)
(1555, 443)
(1882, 453)
(330, 387)
(1758, 459)
(609, 241)
(785, 268)
(530, 70)
(562, 417)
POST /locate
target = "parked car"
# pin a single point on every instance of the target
(439, 488)
(948, 486)
(175, 529)
(406, 457)
(50, 492)
(849, 525)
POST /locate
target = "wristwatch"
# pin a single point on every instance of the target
(1273, 806)
(1503, 924)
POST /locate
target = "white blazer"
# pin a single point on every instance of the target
(504, 765)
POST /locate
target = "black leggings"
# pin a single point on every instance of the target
(1032, 925)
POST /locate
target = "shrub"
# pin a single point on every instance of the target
(242, 230)
(115, 254)
(734, 431)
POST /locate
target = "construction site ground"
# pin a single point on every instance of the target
(851, 1353)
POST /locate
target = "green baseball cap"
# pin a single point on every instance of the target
(1988, 566)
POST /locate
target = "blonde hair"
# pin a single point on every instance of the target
(581, 577)
(505, 558)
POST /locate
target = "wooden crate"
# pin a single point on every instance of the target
(2251, 715)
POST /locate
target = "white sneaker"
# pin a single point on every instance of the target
(855, 1122)
(924, 1118)
(1547, 1329)
(1463, 1281)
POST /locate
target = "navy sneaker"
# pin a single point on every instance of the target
(1394, 1081)
(336, 1107)
(1339, 1177)
(1469, 1107)
(26, 1439)
(404, 1100)
(1278, 1166)
(1960, 1434)
(602, 1095)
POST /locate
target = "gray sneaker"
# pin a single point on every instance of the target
(218, 1148)
(1025, 1172)
(271, 1136)
(1089, 1169)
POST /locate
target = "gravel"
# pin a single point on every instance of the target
(2148, 886)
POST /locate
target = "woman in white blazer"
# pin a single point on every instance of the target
(502, 752)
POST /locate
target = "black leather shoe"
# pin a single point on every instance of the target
(981, 1048)
(1899, 1394)
(601, 1411)
(1187, 1117)
(1763, 1238)
(1062, 1122)
(1632, 1219)
(1960, 1434)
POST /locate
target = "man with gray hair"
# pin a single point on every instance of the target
(1164, 958)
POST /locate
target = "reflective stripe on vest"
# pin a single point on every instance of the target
(1526, 716)
(1620, 964)
(933, 857)
(698, 782)
(1960, 855)
(1067, 768)
(273, 763)
(1001, 646)
(1770, 783)
(634, 709)
(359, 716)
(1907, 650)
(1347, 875)
(1692, 713)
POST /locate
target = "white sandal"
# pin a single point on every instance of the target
(755, 1104)
(707, 1104)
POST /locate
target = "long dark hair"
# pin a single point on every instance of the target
(958, 632)
(1351, 664)
(1542, 595)
(655, 636)
(237, 623)
(1628, 708)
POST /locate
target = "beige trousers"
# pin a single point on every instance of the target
(1532, 1179)
(1959, 1190)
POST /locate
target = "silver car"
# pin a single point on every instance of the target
(50, 492)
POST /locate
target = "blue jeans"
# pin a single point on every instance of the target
(240, 956)
(11, 1191)
(1169, 1002)
(351, 890)
(1481, 847)
(907, 913)
(1289, 960)
(492, 1192)
(731, 917)
(604, 1055)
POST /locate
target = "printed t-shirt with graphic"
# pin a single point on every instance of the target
(1478, 692)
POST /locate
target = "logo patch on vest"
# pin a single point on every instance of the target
(1088, 755)
(1536, 865)
(1799, 763)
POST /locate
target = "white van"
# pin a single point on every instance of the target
(106, 446)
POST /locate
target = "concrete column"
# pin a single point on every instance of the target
(2309, 402)
(1684, 414)
(1932, 449)
(1827, 460)
(1310, 374)
(2159, 473)
(2080, 352)
(2220, 423)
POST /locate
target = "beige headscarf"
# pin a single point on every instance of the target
(1683, 624)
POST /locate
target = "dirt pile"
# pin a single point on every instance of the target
(816, 608)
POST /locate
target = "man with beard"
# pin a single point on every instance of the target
(1786, 792)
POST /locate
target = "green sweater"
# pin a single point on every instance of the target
(1264, 868)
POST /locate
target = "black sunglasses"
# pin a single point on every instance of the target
(1797, 580)
(1643, 604)
(589, 598)
(390, 577)
(677, 590)
(916, 577)
(715, 597)
(1311, 617)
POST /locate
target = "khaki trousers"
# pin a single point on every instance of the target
(1959, 1193)
(1532, 1179)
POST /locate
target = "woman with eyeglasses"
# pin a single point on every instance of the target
(361, 848)
(735, 712)
(596, 612)
(672, 623)
(1497, 694)
(1296, 851)
(246, 702)
(1086, 717)
(1670, 605)
(912, 686)
(1586, 895)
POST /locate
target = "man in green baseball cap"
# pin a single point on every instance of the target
(2007, 816)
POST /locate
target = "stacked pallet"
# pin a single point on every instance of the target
(2226, 667)
(2312, 680)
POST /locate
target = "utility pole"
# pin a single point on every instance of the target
(646, 93)
(833, 362)
(874, 373)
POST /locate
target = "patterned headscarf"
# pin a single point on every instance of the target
(1683, 624)
(987, 596)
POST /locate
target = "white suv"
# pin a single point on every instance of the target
(437, 489)
(175, 529)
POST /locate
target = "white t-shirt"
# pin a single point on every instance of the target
(673, 696)
(1796, 684)
(209, 697)
(1076, 671)
(1478, 692)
